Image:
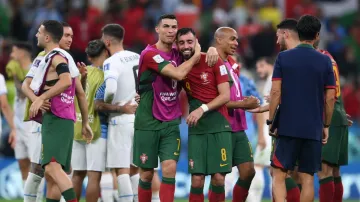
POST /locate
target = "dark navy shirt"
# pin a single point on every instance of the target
(305, 74)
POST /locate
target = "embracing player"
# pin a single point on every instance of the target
(210, 148)
(120, 70)
(158, 116)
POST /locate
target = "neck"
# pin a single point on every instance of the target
(116, 48)
(96, 62)
(51, 47)
(25, 63)
(311, 43)
(221, 53)
(163, 46)
(292, 44)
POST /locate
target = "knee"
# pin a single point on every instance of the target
(37, 170)
(218, 179)
(247, 173)
(94, 177)
(326, 171)
(146, 175)
(168, 168)
(336, 172)
(52, 168)
(197, 181)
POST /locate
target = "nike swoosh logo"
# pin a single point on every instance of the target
(176, 154)
(222, 165)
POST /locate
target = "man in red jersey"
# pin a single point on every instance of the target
(335, 152)
(210, 148)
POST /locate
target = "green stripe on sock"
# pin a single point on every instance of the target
(52, 200)
(337, 180)
(300, 187)
(194, 190)
(69, 194)
(166, 180)
(218, 189)
(326, 180)
(243, 184)
(145, 185)
(290, 183)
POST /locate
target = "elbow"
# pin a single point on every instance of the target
(179, 77)
(226, 97)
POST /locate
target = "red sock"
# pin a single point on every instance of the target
(144, 191)
(241, 190)
(327, 189)
(217, 194)
(293, 195)
(167, 190)
(339, 190)
(196, 195)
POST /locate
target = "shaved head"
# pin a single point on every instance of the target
(226, 41)
(222, 32)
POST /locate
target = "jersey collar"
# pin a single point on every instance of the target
(304, 45)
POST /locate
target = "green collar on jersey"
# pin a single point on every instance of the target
(305, 45)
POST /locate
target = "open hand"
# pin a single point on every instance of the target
(194, 117)
(325, 135)
(212, 56)
(12, 138)
(87, 133)
(35, 107)
(82, 68)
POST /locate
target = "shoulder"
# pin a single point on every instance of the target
(152, 56)
(42, 54)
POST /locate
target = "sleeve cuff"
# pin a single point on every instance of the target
(330, 87)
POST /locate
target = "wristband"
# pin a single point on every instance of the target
(326, 126)
(204, 107)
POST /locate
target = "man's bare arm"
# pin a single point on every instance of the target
(82, 102)
(275, 98)
(27, 90)
(222, 98)
(329, 105)
(101, 106)
(62, 84)
(6, 110)
(248, 103)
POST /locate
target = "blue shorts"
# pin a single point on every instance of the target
(289, 150)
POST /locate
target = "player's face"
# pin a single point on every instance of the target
(16, 53)
(66, 40)
(167, 29)
(186, 45)
(262, 68)
(42, 37)
(280, 34)
(230, 42)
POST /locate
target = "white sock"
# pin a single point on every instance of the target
(257, 186)
(31, 187)
(40, 192)
(155, 196)
(124, 186)
(62, 199)
(116, 195)
(107, 187)
(134, 184)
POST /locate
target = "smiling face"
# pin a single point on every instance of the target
(166, 30)
(228, 41)
(66, 40)
(186, 45)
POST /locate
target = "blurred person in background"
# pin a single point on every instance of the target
(21, 53)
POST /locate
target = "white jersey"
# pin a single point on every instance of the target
(35, 65)
(267, 87)
(3, 90)
(123, 67)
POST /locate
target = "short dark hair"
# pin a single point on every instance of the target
(54, 28)
(95, 48)
(114, 30)
(308, 27)
(23, 45)
(166, 16)
(65, 24)
(268, 60)
(184, 31)
(288, 23)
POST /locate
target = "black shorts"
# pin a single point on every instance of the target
(289, 150)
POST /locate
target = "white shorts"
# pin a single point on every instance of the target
(35, 141)
(120, 144)
(90, 157)
(262, 157)
(22, 147)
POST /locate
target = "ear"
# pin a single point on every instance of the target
(157, 29)
(317, 36)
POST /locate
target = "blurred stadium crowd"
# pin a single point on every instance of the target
(255, 21)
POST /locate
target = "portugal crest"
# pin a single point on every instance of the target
(143, 158)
